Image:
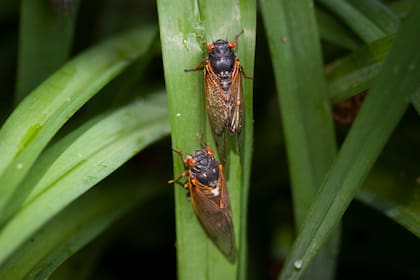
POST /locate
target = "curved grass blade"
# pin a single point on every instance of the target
(382, 109)
(379, 13)
(35, 121)
(74, 227)
(363, 26)
(79, 161)
(354, 73)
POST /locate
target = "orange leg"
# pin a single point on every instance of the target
(237, 36)
(244, 74)
(201, 138)
(179, 152)
(199, 66)
(184, 174)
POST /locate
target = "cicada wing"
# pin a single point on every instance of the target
(215, 101)
(235, 101)
(217, 110)
(216, 218)
(221, 144)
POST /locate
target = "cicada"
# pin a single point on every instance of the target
(209, 196)
(223, 88)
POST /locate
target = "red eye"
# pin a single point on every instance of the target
(190, 161)
(210, 47)
(232, 45)
(209, 151)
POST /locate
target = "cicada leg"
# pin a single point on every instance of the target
(184, 174)
(237, 36)
(241, 69)
(199, 66)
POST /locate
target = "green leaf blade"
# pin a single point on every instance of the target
(184, 26)
(363, 26)
(81, 160)
(355, 72)
(35, 121)
(305, 109)
(304, 106)
(73, 228)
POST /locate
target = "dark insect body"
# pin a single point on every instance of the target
(209, 197)
(223, 87)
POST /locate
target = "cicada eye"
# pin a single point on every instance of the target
(190, 161)
(209, 151)
(210, 47)
(232, 45)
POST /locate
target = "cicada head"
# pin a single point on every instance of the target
(221, 56)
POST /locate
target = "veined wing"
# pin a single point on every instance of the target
(235, 101)
(215, 215)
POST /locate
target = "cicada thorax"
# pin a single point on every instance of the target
(224, 87)
(206, 174)
(209, 196)
(222, 60)
(205, 169)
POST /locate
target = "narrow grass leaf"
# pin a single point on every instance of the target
(378, 13)
(364, 27)
(79, 161)
(35, 121)
(382, 109)
(303, 102)
(295, 51)
(73, 228)
(355, 72)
